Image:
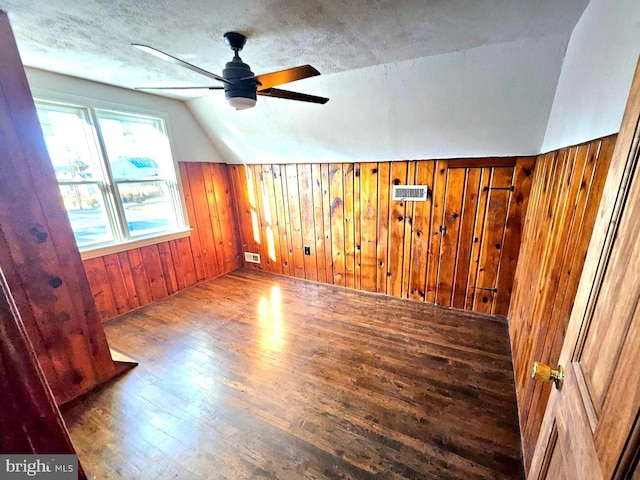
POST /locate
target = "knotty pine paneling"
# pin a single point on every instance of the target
(566, 191)
(459, 248)
(121, 282)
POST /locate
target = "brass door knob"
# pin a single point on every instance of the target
(543, 373)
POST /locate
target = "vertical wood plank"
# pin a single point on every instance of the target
(296, 225)
(125, 268)
(100, 288)
(479, 228)
(258, 213)
(226, 217)
(421, 232)
(326, 220)
(153, 271)
(357, 226)
(522, 179)
(213, 220)
(178, 267)
(307, 216)
(139, 277)
(271, 219)
(194, 239)
(455, 187)
(349, 227)
(200, 197)
(397, 211)
(280, 194)
(244, 194)
(186, 260)
(116, 283)
(433, 259)
(467, 228)
(318, 220)
(382, 248)
(408, 234)
(336, 192)
(492, 238)
(368, 222)
(168, 269)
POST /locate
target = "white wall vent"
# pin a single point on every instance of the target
(413, 193)
(252, 257)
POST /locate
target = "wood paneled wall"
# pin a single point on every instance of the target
(123, 281)
(38, 254)
(565, 195)
(459, 248)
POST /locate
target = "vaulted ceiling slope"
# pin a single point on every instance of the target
(406, 79)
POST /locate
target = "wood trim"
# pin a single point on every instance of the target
(123, 247)
(483, 162)
(590, 407)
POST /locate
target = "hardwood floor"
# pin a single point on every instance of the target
(256, 376)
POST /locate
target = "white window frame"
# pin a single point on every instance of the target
(123, 240)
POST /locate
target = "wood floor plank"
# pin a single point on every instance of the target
(255, 375)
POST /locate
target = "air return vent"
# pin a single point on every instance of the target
(252, 257)
(414, 193)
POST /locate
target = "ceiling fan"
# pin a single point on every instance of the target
(239, 83)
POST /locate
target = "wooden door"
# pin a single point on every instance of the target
(591, 428)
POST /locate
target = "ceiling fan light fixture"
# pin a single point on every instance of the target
(240, 85)
(241, 103)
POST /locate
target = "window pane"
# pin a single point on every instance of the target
(70, 142)
(148, 207)
(137, 147)
(87, 213)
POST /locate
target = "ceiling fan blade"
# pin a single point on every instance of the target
(273, 79)
(303, 97)
(177, 61)
(179, 88)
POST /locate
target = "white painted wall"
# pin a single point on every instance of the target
(189, 142)
(492, 100)
(596, 74)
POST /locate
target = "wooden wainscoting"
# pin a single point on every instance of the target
(459, 248)
(123, 281)
(565, 195)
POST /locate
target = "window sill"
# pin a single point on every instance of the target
(130, 245)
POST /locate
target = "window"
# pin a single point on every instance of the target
(116, 174)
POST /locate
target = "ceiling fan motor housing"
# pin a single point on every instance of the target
(234, 71)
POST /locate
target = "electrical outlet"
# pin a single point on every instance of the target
(307, 250)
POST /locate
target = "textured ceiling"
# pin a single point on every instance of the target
(91, 38)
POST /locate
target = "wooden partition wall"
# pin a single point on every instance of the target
(30, 421)
(459, 248)
(123, 281)
(38, 253)
(565, 195)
